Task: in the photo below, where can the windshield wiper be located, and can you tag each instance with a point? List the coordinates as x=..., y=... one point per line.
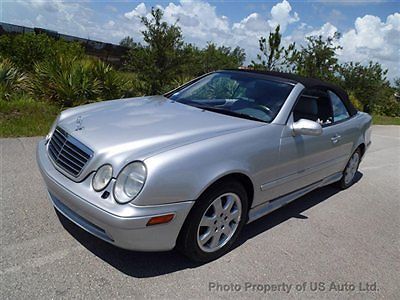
x=229, y=112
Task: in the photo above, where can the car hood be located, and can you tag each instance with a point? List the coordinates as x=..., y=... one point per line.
x=145, y=126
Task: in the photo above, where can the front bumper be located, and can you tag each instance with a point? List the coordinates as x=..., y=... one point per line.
x=121, y=225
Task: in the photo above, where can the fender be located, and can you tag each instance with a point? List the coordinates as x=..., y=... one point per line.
x=186, y=172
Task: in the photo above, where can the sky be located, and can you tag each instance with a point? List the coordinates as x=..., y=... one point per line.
x=370, y=30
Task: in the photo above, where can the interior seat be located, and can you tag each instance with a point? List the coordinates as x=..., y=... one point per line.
x=306, y=108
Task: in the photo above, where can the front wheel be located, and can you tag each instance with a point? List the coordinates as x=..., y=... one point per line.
x=215, y=222
x=350, y=170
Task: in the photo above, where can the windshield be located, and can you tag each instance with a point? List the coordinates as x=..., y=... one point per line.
x=242, y=95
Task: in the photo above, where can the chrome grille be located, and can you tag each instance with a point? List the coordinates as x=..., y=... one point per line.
x=68, y=153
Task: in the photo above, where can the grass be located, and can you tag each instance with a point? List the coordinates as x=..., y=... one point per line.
x=385, y=120
x=26, y=117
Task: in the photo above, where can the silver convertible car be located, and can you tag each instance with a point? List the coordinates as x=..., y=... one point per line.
x=190, y=168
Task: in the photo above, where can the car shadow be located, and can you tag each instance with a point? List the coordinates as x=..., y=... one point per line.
x=151, y=264
x=291, y=210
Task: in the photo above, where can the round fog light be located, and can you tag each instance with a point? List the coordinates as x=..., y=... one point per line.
x=102, y=177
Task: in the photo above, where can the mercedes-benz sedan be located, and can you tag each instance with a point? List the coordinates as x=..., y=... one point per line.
x=190, y=168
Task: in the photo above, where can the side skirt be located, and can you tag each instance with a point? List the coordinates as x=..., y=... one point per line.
x=267, y=207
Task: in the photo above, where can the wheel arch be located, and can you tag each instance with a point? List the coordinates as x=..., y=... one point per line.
x=362, y=148
x=360, y=145
x=240, y=177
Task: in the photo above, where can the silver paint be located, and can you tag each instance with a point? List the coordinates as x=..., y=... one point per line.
x=219, y=222
x=186, y=150
x=306, y=127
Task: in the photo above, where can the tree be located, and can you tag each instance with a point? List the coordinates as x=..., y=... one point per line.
x=128, y=42
x=215, y=58
x=397, y=87
x=165, y=59
x=367, y=83
x=272, y=52
x=317, y=59
x=196, y=61
x=158, y=62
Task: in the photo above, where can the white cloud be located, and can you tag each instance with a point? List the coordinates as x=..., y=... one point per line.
x=281, y=15
x=253, y=23
x=39, y=18
x=138, y=11
x=200, y=24
x=73, y=18
x=370, y=38
x=327, y=30
x=48, y=5
x=109, y=25
x=198, y=20
x=66, y=17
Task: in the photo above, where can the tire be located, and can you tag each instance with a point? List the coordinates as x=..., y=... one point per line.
x=350, y=170
x=220, y=230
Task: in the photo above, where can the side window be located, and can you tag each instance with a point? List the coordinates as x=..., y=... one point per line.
x=339, y=109
x=314, y=105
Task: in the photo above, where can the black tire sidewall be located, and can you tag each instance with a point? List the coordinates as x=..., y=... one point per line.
x=187, y=241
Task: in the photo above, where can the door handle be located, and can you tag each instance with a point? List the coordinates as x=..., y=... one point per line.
x=336, y=138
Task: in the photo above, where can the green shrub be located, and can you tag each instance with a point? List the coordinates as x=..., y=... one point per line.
x=25, y=50
x=67, y=82
x=12, y=80
x=181, y=80
x=135, y=87
x=388, y=107
x=356, y=103
x=75, y=81
x=112, y=84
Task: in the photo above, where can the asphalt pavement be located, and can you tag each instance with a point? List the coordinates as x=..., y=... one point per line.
x=329, y=244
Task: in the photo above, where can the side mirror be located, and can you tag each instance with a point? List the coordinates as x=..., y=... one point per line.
x=306, y=127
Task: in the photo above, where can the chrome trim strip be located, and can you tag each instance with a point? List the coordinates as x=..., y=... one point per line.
x=67, y=165
x=267, y=207
x=301, y=173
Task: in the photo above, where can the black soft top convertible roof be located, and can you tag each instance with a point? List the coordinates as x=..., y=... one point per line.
x=309, y=83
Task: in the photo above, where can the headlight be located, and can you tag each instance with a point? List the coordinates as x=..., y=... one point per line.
x=102, y=177
x=130, y=182
x=53, y=127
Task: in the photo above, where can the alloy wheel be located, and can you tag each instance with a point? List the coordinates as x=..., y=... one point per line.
x=219, y=222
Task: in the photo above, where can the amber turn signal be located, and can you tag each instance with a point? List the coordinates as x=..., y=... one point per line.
x=160, y=219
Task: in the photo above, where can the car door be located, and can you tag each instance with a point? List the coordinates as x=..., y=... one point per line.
x=343, y=130
x=304, y=159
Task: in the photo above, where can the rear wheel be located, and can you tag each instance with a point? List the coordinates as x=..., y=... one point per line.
x=215, y=222
x=350, y=170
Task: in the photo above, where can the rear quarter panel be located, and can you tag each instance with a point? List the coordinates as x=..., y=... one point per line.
x=363, y=123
